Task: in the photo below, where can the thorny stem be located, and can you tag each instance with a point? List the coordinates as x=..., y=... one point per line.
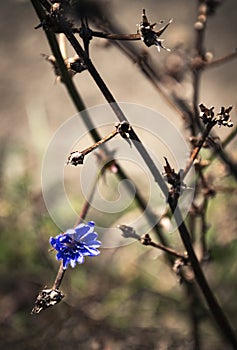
x=67, y=80
x=200, y=278
x=111, y=100
x=117, y=110
x=197, y=149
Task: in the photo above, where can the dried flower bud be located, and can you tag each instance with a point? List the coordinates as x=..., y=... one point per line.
x=202, y=18
x=149, y=36
x=206, y=114
x=203, y=9
x=75, y=158
x=55, y=6
x=198, y=25
x=208, y=56
x=223, y=118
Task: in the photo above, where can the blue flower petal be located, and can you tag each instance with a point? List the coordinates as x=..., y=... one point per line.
x=76, y=243
x=89, y=237
x=73, y=263
x=93, y=244
x=83, y=230
x=80, y=259
x=90, y=251
x=65, y=263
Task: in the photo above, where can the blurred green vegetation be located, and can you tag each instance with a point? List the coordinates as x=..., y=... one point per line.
x=127, y=298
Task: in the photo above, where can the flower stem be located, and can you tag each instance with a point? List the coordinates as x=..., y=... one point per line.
x=59, y=277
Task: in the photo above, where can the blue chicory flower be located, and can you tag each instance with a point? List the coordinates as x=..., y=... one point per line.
x=76, y=243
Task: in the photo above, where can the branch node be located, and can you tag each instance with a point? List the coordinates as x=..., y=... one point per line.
x=146, y=239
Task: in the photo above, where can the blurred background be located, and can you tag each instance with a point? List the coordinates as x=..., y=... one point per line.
x=128, y=298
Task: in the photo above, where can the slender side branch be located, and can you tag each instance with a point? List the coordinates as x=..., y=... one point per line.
x=129, y=232
x=77, y=157
x=112, y=36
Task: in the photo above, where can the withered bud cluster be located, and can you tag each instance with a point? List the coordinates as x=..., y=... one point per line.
x=175, y=180
x=223, y=118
